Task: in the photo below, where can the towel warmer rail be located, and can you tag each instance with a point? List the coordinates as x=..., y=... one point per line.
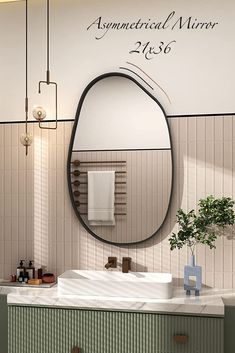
x=81, y=173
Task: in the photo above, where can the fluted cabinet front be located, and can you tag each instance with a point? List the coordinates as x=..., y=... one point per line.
x=52, y=330
x=3, y=323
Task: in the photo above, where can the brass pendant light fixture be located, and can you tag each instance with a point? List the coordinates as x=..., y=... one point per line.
x=39, y=113
x=26, y=138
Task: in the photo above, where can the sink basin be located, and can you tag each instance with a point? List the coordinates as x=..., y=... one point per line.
x=116, y=284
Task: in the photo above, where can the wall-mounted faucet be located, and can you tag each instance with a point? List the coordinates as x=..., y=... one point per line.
x=126, y=264
x=112, y=262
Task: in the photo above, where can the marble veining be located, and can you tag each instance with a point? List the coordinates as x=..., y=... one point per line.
x=210, y=302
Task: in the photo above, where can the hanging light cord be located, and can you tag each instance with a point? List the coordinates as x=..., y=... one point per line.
x=26, y=138
x=48, y=81
x=48, y=42
x=26, y=65
x=26, y=72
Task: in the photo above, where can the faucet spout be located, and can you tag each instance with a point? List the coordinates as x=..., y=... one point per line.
x=126, y=264
x=108, y=265
x=112, y=262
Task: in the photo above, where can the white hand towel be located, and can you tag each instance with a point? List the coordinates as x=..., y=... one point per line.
x=101, y=187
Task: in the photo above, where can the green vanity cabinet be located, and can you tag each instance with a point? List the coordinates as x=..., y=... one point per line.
x=3, y=323
x=58, y=330
x=229, y=329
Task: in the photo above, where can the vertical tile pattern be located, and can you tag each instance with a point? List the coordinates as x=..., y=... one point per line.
x=146, y=188
x=37, y=219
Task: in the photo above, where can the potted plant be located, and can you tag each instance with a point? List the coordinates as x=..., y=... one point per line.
x=203, y=227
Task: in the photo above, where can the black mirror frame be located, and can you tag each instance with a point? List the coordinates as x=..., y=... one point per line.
x=83, y=96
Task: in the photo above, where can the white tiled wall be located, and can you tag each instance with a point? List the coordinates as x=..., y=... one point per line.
x=37, y=220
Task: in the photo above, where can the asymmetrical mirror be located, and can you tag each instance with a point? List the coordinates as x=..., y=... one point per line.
x=120, y=161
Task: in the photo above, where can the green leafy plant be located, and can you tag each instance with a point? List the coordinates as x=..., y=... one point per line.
x=214, y=214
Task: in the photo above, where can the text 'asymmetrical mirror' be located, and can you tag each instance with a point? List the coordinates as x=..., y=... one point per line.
x=120, y=161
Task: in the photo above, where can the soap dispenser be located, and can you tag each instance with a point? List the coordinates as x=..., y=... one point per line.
x=30, y=270
x=20, y=269
x=21, y=277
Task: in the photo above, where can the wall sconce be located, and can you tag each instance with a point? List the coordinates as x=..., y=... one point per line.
x=40, y=114
x=26, y=138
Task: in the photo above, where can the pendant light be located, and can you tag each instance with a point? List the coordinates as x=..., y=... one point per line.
x=26, y=138
x=39, y=113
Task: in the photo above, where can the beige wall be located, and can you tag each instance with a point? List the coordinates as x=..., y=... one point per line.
x=197, y=74
x=37, y=220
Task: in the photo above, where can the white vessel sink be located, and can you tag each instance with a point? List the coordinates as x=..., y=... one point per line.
x=116, y=284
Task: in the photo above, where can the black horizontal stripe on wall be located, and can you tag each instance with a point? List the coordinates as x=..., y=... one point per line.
x=168, y=117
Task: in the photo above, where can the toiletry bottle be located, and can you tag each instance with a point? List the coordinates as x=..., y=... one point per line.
x=40, y=273
x=20, y=269
x=26, y=277
x=30, y=270
x=13, y=278
x=21, y=277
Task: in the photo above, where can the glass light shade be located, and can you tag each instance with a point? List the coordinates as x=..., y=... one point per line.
x=39, y=113
x=26, y=139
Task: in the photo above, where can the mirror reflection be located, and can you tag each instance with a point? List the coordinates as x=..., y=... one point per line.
x=120, y=161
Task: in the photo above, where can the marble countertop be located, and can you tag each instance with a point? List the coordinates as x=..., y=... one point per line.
x=211, y=302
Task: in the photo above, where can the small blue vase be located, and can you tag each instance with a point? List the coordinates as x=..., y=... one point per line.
x=192, y=270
